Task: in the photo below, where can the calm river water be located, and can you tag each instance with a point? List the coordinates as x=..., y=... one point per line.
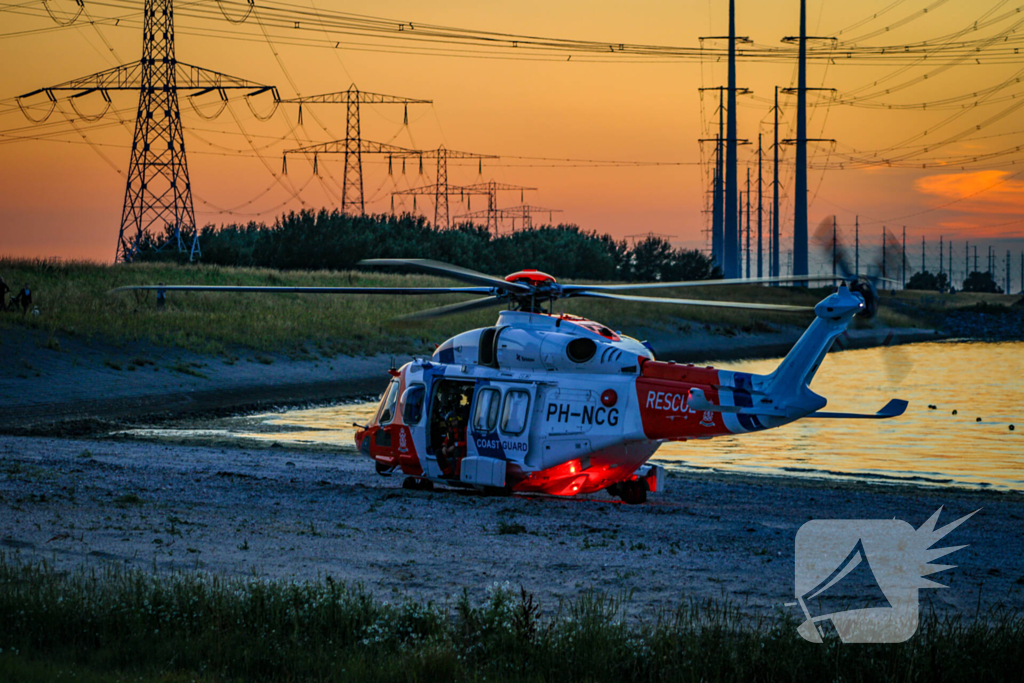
x=927, y=446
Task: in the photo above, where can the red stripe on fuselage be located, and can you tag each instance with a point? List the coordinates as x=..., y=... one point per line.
x=661, y=392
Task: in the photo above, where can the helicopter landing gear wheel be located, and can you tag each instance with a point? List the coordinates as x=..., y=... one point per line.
x=417, y=484
x=633, y=492
x=383, y=470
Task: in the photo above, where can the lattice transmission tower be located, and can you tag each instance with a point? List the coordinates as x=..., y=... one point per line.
x=441, y=190
x=352, y=146
x=158, y=193
x=492, y=213
x=523, y=213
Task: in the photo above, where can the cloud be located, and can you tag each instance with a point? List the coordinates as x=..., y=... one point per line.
x=980, y=192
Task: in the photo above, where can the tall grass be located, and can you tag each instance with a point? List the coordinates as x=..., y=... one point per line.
x=193, y=625
x=74, y=299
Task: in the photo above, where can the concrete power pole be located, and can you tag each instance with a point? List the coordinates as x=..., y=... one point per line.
x=1007, y=290
x=774, y=269
x=748, y=221
x=856, y=245
x=903, y=260
x=800, y=192
x=760, y=208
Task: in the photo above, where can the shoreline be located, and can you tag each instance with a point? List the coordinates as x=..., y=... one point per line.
x=297, y=514
x=88, y=385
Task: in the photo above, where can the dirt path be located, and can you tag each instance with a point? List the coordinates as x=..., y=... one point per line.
x=298, y=514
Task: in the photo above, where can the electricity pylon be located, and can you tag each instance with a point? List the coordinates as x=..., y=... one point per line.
x=352, y=182
x=395, y=152
x=492, y=213
x=800, y=256
x=524, y=212
x=441, y=190
x=729, y=218
x=158, y=191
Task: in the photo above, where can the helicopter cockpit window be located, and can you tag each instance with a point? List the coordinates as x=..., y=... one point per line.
x=387, y=410
x=412, y=404
x=515, y=412
x=485, y=419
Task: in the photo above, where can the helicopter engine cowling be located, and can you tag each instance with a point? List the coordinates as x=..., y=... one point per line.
x=525, y=341
x=462, y=349
x=537, y=349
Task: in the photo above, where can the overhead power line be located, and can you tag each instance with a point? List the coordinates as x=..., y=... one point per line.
x=304, y=25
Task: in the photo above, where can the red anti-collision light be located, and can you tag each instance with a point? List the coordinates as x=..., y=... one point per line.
x=534, y=277
x=609, y=398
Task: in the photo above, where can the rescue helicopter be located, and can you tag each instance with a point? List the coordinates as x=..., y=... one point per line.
x=546, y=402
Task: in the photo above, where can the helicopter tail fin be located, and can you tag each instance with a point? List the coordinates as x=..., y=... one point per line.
x=794, y=374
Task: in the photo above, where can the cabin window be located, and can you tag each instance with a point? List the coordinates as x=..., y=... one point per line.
x=515, y=412
x=485, y=419
x=387, y=404
x=412, y=409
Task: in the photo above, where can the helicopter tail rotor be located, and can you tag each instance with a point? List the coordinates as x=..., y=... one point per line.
x=828, y=241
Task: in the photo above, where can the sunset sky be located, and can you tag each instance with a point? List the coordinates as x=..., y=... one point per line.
x=60, y=197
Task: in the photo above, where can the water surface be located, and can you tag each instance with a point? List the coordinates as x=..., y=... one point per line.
x=927, y=446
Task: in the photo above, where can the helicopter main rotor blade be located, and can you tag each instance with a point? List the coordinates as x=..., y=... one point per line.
x=452, y=309
x=699, y=302
x=572, y=290
x=446, y=269
x=305, y=290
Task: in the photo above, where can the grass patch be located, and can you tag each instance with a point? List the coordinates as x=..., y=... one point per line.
x=187, y=369
x=510, y=528
x=128, y=499
x=129, y=623
x=74, y=300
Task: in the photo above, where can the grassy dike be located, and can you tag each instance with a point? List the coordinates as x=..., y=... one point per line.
x=74, y=299
x=115, y=624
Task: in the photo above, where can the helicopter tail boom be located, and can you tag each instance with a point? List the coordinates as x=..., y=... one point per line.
x=797, y=369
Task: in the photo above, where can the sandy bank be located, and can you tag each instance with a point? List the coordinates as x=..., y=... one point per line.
x=88, y=380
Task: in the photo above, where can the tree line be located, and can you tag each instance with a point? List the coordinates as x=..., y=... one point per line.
x=974, y=282
x=331, y=240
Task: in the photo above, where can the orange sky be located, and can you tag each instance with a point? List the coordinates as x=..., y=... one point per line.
x=64, y=199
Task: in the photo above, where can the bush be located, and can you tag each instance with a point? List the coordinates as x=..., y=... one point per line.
x=331, y=240
x=981, y=282
x=929, y=282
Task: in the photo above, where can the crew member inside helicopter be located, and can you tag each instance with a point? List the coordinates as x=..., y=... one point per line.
x=449, y=417
x=453, y=448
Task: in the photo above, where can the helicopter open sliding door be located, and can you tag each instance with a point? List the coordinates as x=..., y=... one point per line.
x=448, y=397
x=499, y=431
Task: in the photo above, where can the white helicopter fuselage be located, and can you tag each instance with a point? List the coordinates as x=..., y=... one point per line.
x=563, y=405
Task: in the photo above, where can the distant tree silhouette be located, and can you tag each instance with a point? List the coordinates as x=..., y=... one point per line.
x=927, y=281
x=981, y=282
x=330, y=240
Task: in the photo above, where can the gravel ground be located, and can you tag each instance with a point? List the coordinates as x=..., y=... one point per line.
x=1003, y=326
x=302, y=514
